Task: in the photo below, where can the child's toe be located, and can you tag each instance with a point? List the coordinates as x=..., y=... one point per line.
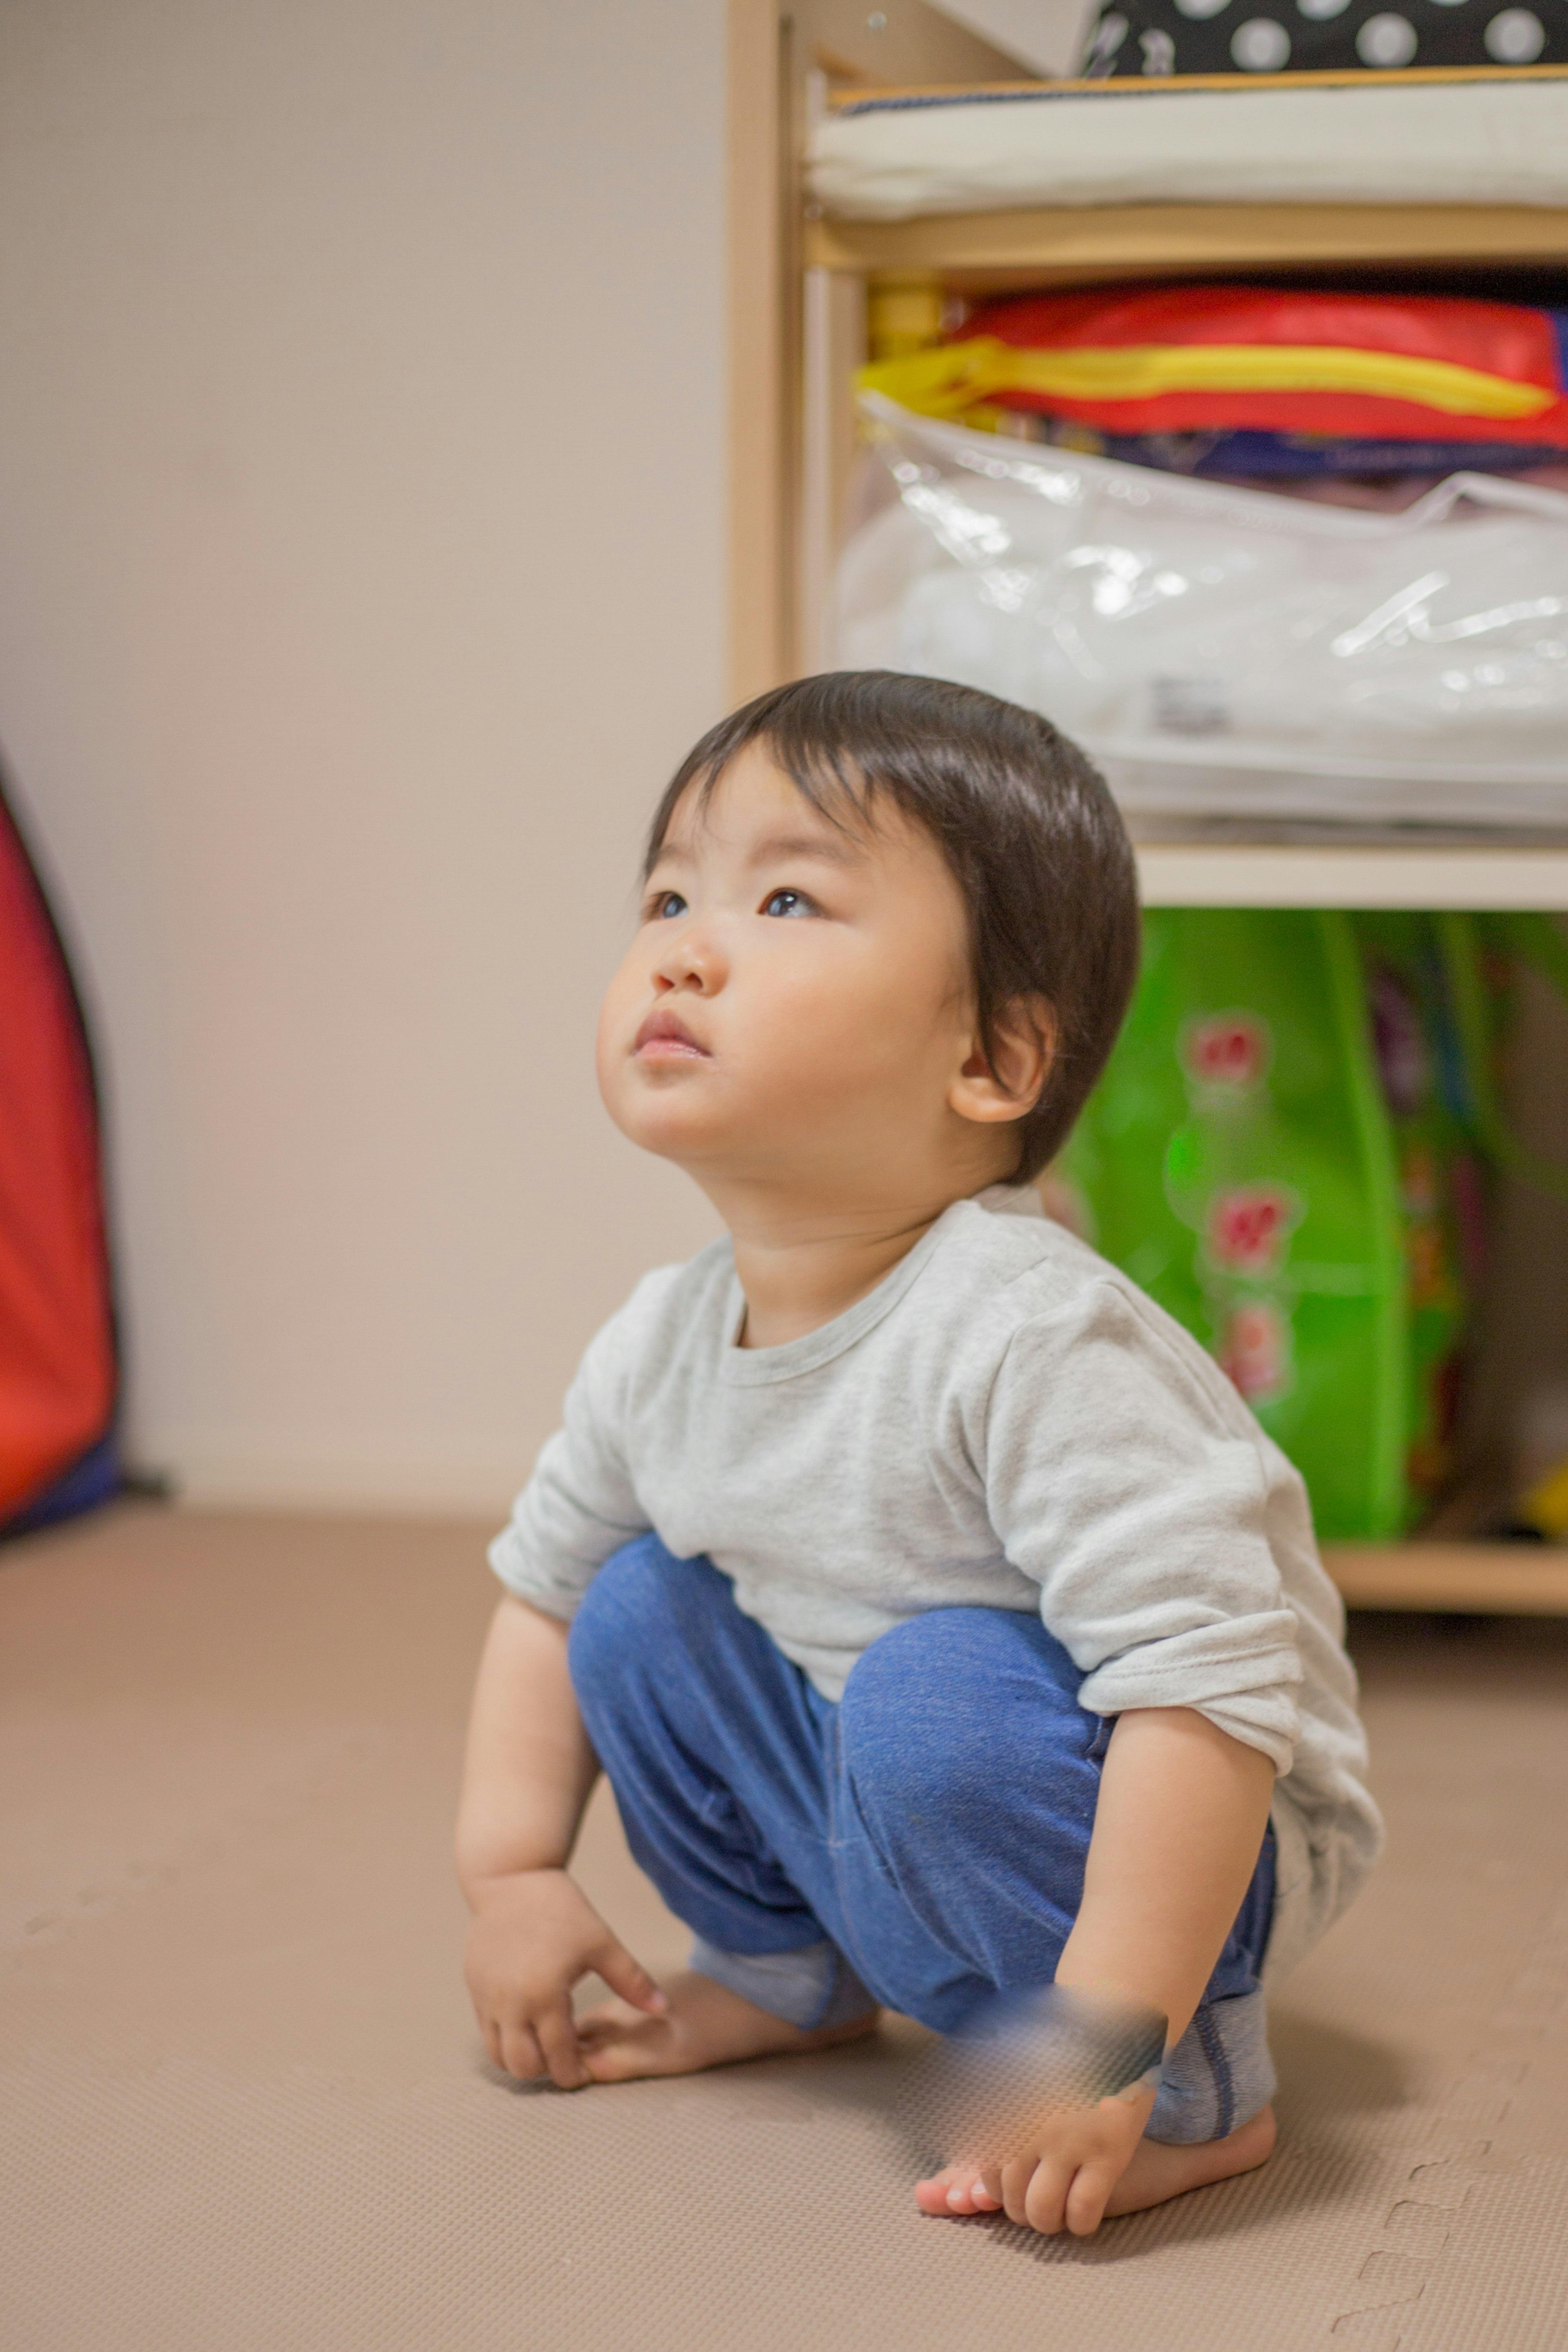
x=956, y=2188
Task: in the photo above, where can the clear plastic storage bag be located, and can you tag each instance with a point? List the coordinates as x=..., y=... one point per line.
x=1226, y=652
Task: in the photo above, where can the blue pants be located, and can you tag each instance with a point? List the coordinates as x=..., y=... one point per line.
x=921, y=1843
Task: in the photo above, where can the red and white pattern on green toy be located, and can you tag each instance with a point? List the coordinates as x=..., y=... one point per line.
x=1229, y=1050
x=1255, y=1349
x=1247, y=1224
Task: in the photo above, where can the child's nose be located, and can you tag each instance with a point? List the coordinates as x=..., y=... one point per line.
x=690, y=960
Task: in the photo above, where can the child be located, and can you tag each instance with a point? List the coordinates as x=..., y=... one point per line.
x=947, y=1627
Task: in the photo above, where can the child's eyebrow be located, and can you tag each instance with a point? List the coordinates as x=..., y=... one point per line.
x=828, y=848
x=834, y=849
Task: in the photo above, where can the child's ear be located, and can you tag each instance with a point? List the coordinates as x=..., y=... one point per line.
x=1010, y=1080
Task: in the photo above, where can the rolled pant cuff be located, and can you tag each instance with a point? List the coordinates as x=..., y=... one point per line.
x=1218, y=2074
x=812, y=1986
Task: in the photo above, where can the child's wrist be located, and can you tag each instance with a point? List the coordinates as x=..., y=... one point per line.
x=492, y=1886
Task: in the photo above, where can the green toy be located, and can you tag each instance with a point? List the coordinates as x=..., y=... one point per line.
x=1291, y=1149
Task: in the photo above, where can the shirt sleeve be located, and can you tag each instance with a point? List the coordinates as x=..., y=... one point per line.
x=1126, y=1481
x=580, y=1505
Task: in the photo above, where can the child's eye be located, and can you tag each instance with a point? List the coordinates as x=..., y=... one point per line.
x=789, y=902
x=665, y=905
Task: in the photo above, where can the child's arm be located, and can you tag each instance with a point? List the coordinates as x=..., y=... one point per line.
x=526, y=1780
x=1181, y=1811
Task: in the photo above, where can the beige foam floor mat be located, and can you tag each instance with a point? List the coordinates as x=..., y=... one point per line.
x=245, y=2109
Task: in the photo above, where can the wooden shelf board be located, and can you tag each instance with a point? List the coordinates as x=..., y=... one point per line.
x=976, y=251
x=1467, y=1578
x=1201, y=874
x=1334, y=77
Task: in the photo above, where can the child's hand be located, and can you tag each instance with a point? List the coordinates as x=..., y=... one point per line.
x=534, y=1933
x=1060, y=2175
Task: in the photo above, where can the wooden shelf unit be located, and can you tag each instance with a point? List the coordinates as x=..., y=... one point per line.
x=1468, y=1579
x=989, y=252
x=1289, y=874
x=798, y=287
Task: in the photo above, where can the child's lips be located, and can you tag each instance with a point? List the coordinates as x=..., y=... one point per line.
x=665, y=1037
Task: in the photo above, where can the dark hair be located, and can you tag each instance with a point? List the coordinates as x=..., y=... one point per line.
x=1025, y=823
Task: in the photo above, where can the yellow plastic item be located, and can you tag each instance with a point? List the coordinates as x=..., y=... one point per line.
x=903, y=315
x=1546, y=1505
x=951, y=380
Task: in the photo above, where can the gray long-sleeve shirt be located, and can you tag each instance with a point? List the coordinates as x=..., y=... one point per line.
x=1004, y=1420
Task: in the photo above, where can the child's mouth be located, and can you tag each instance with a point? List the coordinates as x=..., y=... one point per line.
x=664, y=1037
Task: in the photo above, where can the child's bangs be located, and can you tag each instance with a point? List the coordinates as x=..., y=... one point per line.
x=834, y=786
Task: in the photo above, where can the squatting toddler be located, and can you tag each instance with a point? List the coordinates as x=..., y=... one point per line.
x=947, y=1627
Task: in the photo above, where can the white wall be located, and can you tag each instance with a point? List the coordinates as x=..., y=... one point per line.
x=1047, y=36
x=359, y=579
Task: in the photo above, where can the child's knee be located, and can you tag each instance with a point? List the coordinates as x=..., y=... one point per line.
x=949, y=1719
x=913, y=1721
x=626, y=1610
x=953, y=1667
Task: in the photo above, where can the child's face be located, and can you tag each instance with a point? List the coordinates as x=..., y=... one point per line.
x=797, y=1006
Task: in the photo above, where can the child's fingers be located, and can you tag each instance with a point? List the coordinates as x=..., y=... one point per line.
x=557, y=2038
x=1015, y=2177
x=521, y=2052
x=988, y=2182
x=1044, y=2201
x=627, y=1977
x=1085, y=2199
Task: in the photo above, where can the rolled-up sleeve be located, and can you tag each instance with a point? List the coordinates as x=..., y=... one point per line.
x=580, y=1505
x=1128, y=1481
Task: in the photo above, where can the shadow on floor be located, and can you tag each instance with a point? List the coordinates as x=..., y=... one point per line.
x=880, y=2081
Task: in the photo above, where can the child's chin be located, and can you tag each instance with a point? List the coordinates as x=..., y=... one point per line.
x=668, y=1128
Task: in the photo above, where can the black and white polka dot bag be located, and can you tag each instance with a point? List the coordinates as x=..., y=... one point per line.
x=1145, y=37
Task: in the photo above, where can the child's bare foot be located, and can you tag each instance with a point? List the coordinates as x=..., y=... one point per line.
x=705, y=2024
x=1158, y=2170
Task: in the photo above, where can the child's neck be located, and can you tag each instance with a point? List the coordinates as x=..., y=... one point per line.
x=801, y=1267
x=794, y=1287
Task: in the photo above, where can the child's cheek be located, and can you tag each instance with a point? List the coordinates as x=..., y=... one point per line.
x=612, y=1040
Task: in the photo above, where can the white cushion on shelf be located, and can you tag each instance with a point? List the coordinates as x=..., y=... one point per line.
x=1468, y=142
